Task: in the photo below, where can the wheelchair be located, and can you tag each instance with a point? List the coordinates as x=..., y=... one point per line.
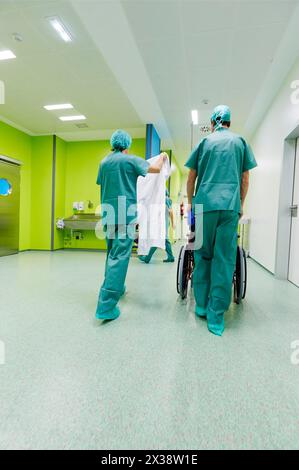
x=185, y=270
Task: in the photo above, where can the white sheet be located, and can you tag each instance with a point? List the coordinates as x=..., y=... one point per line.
x=151, y=208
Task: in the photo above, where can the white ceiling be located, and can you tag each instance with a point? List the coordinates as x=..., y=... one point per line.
x=220, y=51
x=138, y=61
x=49, y=71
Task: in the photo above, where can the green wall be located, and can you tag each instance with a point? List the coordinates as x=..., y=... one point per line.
x=35, y=155
x=176, y=179
x=176, y=182
x=83, y=160
x=175, y=191
x=76, y=168
x=82, y=163
x=60, y=180
x=41, y=192
x=17, y=144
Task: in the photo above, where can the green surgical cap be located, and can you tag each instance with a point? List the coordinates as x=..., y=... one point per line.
x=120, y=140
x=221, y=114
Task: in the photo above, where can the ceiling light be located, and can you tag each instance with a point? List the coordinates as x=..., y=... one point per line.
x=57, y=24
x=4, y=55
x=53, y=107
x=72, y=118
x=194, y=115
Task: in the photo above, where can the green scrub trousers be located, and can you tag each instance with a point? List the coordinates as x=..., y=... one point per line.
x=118, y=174
x=168, y=249
x=219, y=160
x=118, y=257
x=215, y=264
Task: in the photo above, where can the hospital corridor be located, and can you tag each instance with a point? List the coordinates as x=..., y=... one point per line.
x=149, y=229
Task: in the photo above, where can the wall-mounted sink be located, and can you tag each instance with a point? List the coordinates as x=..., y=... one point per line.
x=82, y=221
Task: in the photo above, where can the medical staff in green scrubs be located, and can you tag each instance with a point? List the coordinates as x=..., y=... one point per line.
x=168, y=215
x=117, y=177
x=220, y=165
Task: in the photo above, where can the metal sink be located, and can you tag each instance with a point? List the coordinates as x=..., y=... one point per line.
x=82, y=221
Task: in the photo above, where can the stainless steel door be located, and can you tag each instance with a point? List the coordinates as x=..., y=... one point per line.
x=9, y=208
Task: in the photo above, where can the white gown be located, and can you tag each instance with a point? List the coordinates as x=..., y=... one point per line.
x=151, y=208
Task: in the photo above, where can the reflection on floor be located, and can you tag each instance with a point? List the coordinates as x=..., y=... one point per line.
x=153, y=379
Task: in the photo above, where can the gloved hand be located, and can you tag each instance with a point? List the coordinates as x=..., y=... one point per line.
x=191, y=217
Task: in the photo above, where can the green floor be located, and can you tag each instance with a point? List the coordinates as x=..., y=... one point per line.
x=155, y=378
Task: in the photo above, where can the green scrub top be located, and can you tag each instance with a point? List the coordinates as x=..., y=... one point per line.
x=117, y=177
x=220, y=160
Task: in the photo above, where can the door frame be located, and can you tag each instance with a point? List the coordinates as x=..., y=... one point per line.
x=4, y=158
x=12, y=171
x=284, y=223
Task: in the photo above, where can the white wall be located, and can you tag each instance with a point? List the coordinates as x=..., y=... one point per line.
x=267, y=143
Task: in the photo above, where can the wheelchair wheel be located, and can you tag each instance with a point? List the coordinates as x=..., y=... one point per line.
x=179, y=268
x=245, y=275
x=240, y=276
x=182, y=281
x=184, y=271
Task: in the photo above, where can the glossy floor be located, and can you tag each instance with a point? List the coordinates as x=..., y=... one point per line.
x=155, y=378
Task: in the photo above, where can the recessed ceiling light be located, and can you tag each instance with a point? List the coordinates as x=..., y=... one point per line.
x=61, y=29
x=72, y=118
x=5, y=55
x=194, y=115
x=53, y=107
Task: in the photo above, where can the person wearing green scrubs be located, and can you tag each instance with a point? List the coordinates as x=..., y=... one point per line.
x=117, y=177
x=168, y=215
x=219, y=166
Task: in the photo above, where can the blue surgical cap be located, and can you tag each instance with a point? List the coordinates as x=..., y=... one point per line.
x=221, y=114
x=120, y=140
